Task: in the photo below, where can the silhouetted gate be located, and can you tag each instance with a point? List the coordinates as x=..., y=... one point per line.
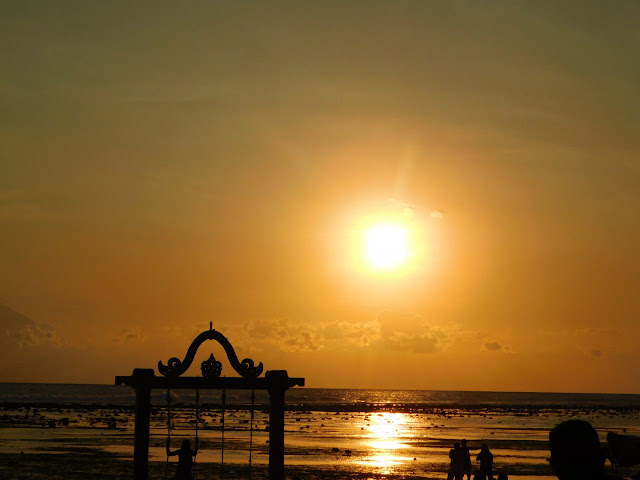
x=143, y=380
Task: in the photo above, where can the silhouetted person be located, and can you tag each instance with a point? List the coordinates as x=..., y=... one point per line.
x=485, y=457
x=576, y=452
x=466, y=459
x=455, y=466
x=185, y=459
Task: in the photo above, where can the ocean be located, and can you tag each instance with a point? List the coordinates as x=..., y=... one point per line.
x=329, y=432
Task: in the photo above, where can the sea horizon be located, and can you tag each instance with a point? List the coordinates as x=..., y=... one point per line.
x=544, y=392
x=354, y=399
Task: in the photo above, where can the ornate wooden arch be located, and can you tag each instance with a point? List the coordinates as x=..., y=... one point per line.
x=275, y=382
x=210, y=368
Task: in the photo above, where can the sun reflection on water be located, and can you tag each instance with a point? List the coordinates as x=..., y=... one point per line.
x=384, y=433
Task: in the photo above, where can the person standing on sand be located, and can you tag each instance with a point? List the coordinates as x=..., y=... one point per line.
x=576, y=452
x=485, y=457
x=185, y=459
x=455, y=465
x=466, y=459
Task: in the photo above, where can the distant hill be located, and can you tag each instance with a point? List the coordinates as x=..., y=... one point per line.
x=17, y=329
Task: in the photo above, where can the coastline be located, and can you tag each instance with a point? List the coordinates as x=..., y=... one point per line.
x=328, y=434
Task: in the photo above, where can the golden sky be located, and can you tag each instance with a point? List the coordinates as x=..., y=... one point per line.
x=164, y=165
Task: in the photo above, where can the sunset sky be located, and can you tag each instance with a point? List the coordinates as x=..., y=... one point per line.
x=164, y=165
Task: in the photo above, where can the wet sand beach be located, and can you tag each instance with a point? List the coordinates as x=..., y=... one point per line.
x=41, y=440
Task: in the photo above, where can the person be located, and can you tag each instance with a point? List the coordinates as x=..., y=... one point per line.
x=485, y=457
x=185, y=459
x=466, y=459
x=576, y=452
x=455, y=465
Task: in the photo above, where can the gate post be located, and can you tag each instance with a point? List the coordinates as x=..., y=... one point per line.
x=141, y=439
x=277, y=384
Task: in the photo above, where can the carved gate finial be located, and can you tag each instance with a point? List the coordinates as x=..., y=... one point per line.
x=176, y=367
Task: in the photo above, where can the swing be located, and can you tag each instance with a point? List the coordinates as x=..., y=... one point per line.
x=144, y=381
x=224, y=406
x=223, y=429
x=253, y=398
x=252, y=415
x=166, y=465
x=195, y=456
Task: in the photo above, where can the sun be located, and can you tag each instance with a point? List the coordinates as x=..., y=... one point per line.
x=386, y=245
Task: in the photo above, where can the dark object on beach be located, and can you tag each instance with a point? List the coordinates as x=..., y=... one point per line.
x=576, y=452
x=335, y=449
x=503, y=476
x=465, y=458
x=111, y=423
x=485, y=457
x=623, y=449
x=456, y=467
x=185, y=459
x=65, y=421
x=52, y=424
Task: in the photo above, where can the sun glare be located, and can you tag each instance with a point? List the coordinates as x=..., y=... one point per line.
x=386, y=245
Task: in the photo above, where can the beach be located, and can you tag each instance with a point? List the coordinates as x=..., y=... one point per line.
x=419, y=217
x=87, y=431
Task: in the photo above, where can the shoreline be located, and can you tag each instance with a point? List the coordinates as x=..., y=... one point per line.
x=97, y=464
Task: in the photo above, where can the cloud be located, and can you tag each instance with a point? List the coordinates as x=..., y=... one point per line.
x=493, y=346
x=391, y=322
x=389, y=330
x=411, y=332
x=129, y=335
x=416, y=343
x=286, y=335
x=18, y=330
x=357, y=334
x=594, y=332
x=436, y=214
x=596, y=353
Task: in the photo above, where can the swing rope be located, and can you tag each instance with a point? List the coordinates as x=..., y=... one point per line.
x=224, y=406
x=195, y=457
x=166, y=466
x=253, y=399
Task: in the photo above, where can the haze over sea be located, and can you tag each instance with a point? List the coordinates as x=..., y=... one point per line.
x=329, y=432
